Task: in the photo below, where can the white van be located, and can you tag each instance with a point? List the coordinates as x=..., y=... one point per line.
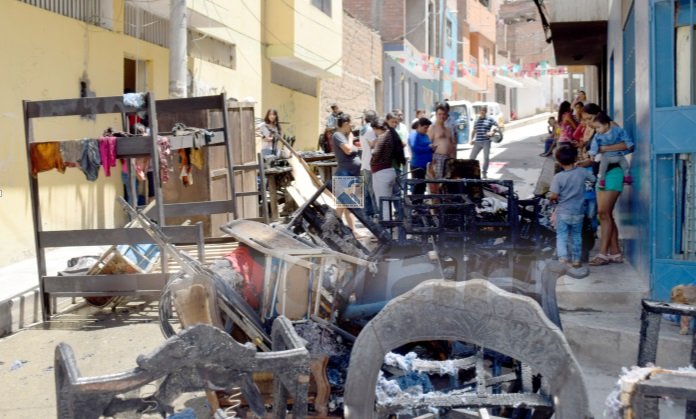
x=462, y=112
x=495, y=111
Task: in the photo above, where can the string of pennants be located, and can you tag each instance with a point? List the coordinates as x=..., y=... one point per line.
x=453, y=69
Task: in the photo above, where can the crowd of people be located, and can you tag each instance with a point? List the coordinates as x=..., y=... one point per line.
x=590, y=150
x=385, y=150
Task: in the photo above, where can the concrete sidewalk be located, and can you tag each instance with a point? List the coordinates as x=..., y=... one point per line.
x=20, y=304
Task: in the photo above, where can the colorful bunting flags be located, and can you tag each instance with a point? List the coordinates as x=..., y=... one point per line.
x=453, y=69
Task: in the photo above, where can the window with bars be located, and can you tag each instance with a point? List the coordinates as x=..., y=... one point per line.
x=675, y=21
x=500, y=93
x=212, y=50
x=323, y=5
x=685, y=207
x=675, y=236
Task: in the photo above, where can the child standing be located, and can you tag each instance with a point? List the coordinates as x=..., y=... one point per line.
x=610, y=134
x=568, y=188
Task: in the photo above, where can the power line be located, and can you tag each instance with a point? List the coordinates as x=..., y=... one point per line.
x=315, y=21
x=290, y=47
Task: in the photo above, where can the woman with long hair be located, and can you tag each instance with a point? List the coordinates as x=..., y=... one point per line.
x=607, y=196
x=270, y=131
x=348, y=162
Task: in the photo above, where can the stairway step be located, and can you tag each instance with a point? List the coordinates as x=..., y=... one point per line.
x=611, y=340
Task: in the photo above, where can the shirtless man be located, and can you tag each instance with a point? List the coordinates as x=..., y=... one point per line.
x=444, y=145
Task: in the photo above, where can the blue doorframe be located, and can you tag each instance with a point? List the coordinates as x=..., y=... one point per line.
x=629, y=74
x=611, y=85
x=672, y=132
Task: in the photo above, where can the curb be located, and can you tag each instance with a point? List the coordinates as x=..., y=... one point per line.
x=20, y=311
x=528, y=121
x=24, y=310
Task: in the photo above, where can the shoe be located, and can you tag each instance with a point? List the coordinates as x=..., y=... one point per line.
x=600, y=260
x=628, y=180
x=576, y=265
x=617, y=258
x=602, y=183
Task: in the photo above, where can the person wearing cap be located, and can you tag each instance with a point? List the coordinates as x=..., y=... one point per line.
x=421, y=152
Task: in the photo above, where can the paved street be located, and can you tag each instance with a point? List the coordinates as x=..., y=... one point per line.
x=517, y=156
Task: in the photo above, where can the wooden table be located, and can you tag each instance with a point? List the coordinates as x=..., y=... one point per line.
x=325, y=168
x=317, y=156
x=272, y=175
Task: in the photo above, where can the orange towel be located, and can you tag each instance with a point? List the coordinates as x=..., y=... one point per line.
x=45, y=156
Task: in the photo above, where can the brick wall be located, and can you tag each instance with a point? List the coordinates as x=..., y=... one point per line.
x=362, y=65
x=392, y=17
x=360, y=10
x=526, y=40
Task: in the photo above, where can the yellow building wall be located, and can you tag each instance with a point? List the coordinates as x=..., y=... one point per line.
x=48, y=64
x=319, y=37
x=299, y=113
x=239, y=23
x=297, y=29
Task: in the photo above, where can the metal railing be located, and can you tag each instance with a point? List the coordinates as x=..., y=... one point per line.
x=85, y=10
x=141, y=24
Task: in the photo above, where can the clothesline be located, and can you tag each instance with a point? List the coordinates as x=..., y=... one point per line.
x=90, y=154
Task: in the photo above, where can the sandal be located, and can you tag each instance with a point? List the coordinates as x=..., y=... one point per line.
x=600, y=260
x=617, y=258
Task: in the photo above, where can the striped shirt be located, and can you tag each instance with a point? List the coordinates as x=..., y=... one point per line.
x=482, y=126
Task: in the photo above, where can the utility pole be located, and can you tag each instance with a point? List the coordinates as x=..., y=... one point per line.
x=442, y=50
x=177, y=49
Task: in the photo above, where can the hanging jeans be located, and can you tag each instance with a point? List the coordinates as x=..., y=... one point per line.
x=370, y=202
x=569, y=225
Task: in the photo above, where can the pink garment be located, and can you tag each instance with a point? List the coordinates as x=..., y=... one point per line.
x=107, y=152
x=566, y=128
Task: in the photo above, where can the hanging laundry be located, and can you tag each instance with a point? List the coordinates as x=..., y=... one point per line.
x=142, y=165
x=164, y=154
x=198, y=158
x=71, y=151
x=136, y=100
x=90, y=161
x=45, y=156
x=185, y=167
x=201, y=137
x=107, y=152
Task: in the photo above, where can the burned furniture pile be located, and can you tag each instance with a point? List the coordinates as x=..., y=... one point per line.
x=465, y=293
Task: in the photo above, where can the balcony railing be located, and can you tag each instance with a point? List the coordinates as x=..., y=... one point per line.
x=144, y=25
x=85, y=10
